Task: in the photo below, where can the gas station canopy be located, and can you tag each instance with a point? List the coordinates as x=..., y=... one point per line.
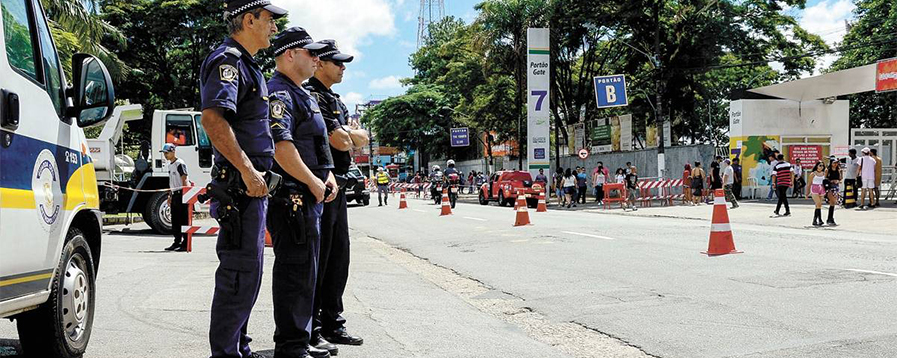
x=833, y=84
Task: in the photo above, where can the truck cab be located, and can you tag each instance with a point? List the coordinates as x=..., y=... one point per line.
x=49, y=205
x=143, y=188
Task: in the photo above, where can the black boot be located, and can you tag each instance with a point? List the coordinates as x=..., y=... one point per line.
x=817, y=217
x=831, y=216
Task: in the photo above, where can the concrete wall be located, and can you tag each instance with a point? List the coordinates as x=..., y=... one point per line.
x=752, y=117
x=646, y=160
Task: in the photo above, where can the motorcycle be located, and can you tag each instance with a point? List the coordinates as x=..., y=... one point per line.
x=436, y=192
x=454, y=185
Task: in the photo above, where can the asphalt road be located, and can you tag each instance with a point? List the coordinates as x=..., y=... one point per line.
x=573, y=284
x=793, y=293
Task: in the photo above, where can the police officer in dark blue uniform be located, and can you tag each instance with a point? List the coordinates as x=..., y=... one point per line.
x=329, y=325
x=302, y=155
x=235, y=116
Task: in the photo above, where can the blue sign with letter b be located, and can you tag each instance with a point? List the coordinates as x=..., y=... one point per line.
x=610, y=91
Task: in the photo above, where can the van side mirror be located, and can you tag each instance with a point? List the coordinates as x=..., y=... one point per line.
x=93, y=97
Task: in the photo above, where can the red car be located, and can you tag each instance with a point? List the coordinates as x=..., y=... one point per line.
x=503, y=186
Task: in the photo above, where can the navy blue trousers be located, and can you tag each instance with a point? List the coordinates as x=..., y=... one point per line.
x=333, y=271
x=237, y=283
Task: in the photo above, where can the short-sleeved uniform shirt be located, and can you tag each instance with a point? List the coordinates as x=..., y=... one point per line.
x=232, y=81
x=335, y=115
x=295, y=117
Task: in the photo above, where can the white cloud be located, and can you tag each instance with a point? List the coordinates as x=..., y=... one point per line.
x=353, y=74
x=390, y=82
x=407, y=44
x=351, y=99
x=410, y=16
x=826, y=19
x=351, y=23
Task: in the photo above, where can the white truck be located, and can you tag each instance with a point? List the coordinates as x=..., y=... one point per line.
x=50, y=222
x=139, y=185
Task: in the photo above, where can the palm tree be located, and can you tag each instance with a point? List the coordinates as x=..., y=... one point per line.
x=77, y=27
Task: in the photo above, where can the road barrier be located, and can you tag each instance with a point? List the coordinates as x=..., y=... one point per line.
x=191, y=197
x=663, y=190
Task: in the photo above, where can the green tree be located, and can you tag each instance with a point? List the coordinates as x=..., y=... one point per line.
x=870, y=38
x=77, y=29
x=418, y=119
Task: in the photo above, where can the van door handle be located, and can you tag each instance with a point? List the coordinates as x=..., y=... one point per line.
x=9, y=118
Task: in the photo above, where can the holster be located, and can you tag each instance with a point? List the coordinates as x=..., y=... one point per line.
x=228, y=214
x=290, y=200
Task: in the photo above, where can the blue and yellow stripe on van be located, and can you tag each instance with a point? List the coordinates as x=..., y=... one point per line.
x=25, y=283
x=77, y=181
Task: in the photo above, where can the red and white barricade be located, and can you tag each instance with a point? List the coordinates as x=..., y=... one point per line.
x=191, y=197
x=663, y=190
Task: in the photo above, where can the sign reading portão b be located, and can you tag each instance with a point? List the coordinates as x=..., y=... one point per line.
x=610, y=91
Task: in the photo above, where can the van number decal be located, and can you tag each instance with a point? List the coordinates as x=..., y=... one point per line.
x=72, y=157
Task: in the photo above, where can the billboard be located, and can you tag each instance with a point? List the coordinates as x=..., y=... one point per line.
x=886, y=76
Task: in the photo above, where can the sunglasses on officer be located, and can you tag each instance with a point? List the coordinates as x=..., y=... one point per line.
x=335, y=62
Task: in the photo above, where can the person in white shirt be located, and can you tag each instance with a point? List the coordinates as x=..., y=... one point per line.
x=850, y=179
x=867, y=173
x=728, y=182
x=799, y=182
x=177, y=179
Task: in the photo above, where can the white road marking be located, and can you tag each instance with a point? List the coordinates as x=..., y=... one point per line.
x=588, y=235
x=470, y=218
x=873, y=272
x=419, y=210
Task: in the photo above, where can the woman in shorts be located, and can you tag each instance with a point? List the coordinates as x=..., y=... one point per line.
x=817, y=191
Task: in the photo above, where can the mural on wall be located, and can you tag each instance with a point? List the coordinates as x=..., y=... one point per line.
x=754, y=152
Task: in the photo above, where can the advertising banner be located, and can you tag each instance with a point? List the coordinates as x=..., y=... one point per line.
x=886, y=75
x=808, y=155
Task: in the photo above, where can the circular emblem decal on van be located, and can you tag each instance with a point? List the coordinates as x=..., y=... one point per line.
x=45, y=183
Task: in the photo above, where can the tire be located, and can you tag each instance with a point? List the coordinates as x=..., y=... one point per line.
x=61, y=327
x=501, y=199
x=453, y=198
x=157, y=213
x=366, y=201
x=483, y=200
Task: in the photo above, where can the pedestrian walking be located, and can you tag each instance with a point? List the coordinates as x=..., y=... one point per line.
x=772, y=177
x=728, y=182
x=582, y=183
x=568, y=182
x=599, y=177
x=878, y=163
x=736, y=188
x=866, y=179
x=631, y=188
x=697, y=183
x=784, y=178
x=235, y=112
x=833, y=174
x=382, y=187
x=559, y=185
x=817, y=191
x=799, y=182
x=686, y=184
x=177, y=180
x=716, y=179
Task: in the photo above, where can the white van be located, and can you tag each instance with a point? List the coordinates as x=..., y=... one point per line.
x=50, y=223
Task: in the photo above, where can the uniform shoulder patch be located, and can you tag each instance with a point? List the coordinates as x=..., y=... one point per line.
x=278, y=108
x=228, y=72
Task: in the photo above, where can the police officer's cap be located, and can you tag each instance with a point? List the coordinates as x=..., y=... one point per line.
x=233, y=8
x=294, y=37
x=331, y=53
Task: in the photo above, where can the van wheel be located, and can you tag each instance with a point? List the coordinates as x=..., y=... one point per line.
x=501, y=199
x=483, y=200
x=367, y=201
x=61, y=326
x=157, y=213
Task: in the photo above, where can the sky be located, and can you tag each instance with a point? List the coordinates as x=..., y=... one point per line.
x=382, y=34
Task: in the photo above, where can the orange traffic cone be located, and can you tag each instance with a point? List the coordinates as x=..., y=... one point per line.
x=268, y=242
x=446, y=206
x=402, y=203
x=522, y=213
x=721, y=241
x=542, y=207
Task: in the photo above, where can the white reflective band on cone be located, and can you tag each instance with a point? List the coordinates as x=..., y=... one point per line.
x=521, y=209
x=720, y=228
x=719, y=200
